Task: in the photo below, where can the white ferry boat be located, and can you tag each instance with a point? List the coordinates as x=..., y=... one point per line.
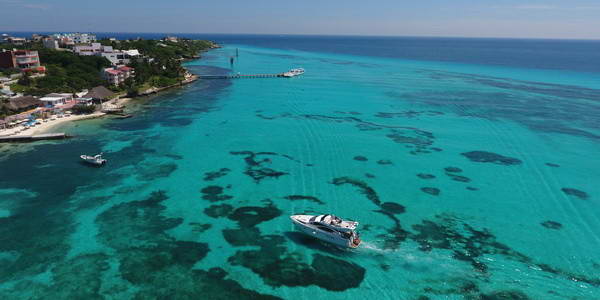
x=294, y=72
x=328, y=228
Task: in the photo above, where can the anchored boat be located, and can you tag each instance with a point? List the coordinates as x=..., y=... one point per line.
x=96, y=160
x=328, y=228
x=294, y=72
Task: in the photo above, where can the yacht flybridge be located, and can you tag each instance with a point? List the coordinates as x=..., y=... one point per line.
x=293, y=72
x=328, y=228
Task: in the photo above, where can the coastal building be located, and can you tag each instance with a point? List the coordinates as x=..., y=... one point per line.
x=118, y=75
x=85, y=100
x=75, y=38
x=20, y=104
x=50, y=43
x=117, y=57
x=54, y=99
x=25, y=60
x=17, y=41
x=132, y=52
x=92, y=49
x=36, y=37
x=99, y=94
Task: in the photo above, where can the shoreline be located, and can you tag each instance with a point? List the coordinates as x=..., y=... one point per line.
x=120, y=102
x=47, y=127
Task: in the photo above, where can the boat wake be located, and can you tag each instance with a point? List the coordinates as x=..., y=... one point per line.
x=372, y=247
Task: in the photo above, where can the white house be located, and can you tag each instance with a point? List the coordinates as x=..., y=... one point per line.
x=50, y=43
x=55, y=99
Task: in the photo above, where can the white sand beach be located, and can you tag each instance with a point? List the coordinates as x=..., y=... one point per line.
x=47, y=126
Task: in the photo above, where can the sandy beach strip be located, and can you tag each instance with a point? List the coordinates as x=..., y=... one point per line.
x=46, y=127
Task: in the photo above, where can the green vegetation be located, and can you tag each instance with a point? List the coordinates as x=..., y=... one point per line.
x=162, y=63
x=80, y=109
x=65, y=72
x=9, y=71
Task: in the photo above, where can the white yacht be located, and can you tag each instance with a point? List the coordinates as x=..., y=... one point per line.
x=94, y=160
x=293, y=72
x=328, y=228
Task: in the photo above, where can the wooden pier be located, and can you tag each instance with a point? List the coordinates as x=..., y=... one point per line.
x=241, y=76
x=32, y=138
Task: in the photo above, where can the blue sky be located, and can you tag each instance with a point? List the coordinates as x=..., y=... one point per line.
x=469, y=18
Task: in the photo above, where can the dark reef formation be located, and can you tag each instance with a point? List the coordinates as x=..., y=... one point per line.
x=490, y=157
x=155, y=263
x=452, y=169
x=394, y=235
x=218, y=211
x=302, y=197
x=393, y=208
x=210, y=176
x=150, y=172
x=256, y=161
x=363, y=187
x=551, y=225
x=275, y=264
x=431, y=190
x=576, y=193
x=214, y=193
x=408, y=114
x=413, y=138
x=458, y=178
x=425, y=176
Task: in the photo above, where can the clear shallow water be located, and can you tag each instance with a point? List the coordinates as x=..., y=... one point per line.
x=469, y=181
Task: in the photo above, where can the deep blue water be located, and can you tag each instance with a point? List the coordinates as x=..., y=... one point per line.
x=572, y=55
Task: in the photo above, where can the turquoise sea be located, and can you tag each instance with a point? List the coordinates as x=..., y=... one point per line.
x=469, y=180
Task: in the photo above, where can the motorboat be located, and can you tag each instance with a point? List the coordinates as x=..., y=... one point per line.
x=293, y=72
x=328, y=228
x=96, y=160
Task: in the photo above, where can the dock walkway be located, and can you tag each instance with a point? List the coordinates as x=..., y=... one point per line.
x=31, y=138
x=241, y=76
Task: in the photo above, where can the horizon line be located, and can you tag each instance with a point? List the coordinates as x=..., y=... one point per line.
x=325, y=35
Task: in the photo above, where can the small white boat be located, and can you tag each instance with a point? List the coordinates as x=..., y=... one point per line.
x=328, y=228
x=293, y=72
x=94, y=160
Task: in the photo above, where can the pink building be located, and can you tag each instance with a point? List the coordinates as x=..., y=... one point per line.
x=118, y=75
x=25, y=60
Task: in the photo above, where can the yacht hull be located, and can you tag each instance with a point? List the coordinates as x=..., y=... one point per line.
x=301, y=224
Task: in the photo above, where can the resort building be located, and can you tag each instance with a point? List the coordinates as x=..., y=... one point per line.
x=54, y=99
x=118, y=75
x=51, y=43
x=117, y=57
x=17, y=41
x=75, y=38
x=99, y=94
x=91, y=49
x=171, y=39
x=25, y=60
x=19, y=104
